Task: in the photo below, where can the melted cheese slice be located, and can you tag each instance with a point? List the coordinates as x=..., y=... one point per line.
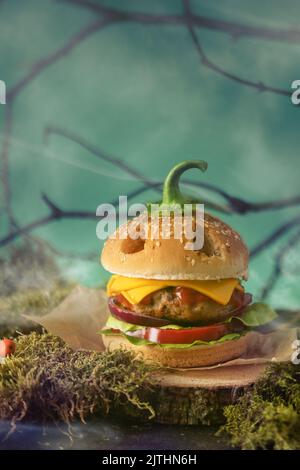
x=134, y=289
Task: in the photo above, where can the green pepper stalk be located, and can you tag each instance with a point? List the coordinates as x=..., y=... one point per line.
x=172, y=196
x=171, y=192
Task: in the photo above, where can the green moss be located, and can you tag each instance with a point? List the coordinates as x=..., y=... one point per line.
x=46, y=380
x=268, y=416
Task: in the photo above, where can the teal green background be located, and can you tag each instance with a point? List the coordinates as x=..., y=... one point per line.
x=140, y=93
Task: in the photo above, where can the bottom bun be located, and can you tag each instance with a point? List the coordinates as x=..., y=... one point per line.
x=195, y=356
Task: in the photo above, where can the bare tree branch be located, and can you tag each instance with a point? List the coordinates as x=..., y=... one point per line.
x=234, y=29
x=57, y=55
x=206, y=62
x=56, y=213
x=278, y=268
x=273, y=205
x=274, y=236
x=241, y=206
x=120, y=164
x=102, y=155
x=235, y=205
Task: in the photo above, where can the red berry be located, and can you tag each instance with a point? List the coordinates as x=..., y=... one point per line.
x=7, y=347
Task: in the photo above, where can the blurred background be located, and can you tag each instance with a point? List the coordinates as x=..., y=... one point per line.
x=104, y=97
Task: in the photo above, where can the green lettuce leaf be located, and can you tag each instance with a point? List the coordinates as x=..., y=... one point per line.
x=256, y=314
x=114, y=322
x=143, y=342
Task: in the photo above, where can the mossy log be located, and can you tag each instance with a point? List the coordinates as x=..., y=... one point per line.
x=190, y=406
x=177, y=406
x=199, y=396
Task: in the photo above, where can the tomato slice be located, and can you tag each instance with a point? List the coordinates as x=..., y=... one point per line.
x=183, y=336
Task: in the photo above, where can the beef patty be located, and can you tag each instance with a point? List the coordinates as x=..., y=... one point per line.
x=180, y=306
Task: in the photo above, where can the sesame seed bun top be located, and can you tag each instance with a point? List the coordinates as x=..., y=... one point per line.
x=223, y=255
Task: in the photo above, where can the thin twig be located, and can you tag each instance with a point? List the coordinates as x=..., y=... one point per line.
x=50, y=130
x=206, y=62
x=235, y=205
x=274, y=236
x=57, y=55
x=55, y=213
x=233, y=29
x=274, y=205
x=120, y=164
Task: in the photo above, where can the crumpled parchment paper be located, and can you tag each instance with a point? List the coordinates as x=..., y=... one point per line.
x=78, y=319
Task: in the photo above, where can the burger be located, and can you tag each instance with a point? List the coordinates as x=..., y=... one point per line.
x=180, y=307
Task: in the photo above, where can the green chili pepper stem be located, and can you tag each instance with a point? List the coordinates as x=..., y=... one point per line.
x=171, y=191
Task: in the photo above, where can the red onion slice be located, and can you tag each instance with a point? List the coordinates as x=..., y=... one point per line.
x=134, y=318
